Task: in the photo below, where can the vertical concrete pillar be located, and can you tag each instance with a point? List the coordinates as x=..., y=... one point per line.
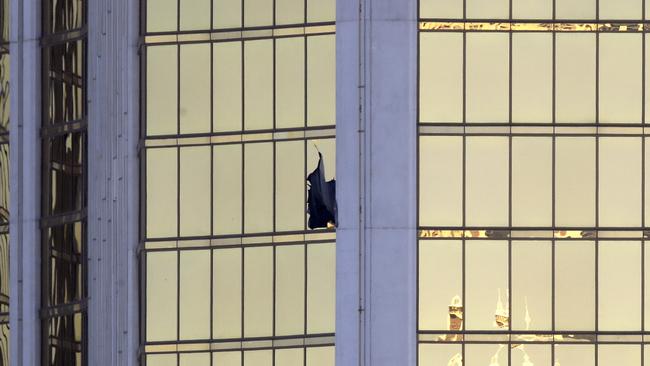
x=25, y=172
x=113, y=100
x=376, y=182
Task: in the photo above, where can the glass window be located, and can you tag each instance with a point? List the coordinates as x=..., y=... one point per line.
x=481, y=9
x=162, y=277
x=532, y=77
x=619, y=182
x=289, y=82
x=194, y=190
x=162, y=15
x=162, y=102
x=620, y=9
x=441, y=181
x=258, y=13
x=575, y=181
x=442, y=9
x=195, y=15
x=487, y=182
x=227, y=86
x=227, y=293
x=532, y=9
x=258, y=292
x=532, y=181
x=619, y=286
x=162, y=211
x=577, y=355
x=575, y=9
x=64, y=194
x=575, y=77
x=231, y=275
x=440, y=284
x=487, y=73
x=486, y=268
x=290, y=290
x=481, y=354
x=321, y=280
x=620, y=82
x=441, y=78
x=289, y=182
x=289, y=11
x=227, y=13
x=532, y=285
x=575, y=302
x=439, y=354
x=227, y=168
x=194, y=295
x=321, y=80
x=258, y=187
x=195, y=71
x=258, y=85
x=321, y=10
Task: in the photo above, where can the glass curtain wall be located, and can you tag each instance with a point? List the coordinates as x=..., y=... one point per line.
x=238, y=98
x=64, y=188
x=4, y=182
x=533, y=183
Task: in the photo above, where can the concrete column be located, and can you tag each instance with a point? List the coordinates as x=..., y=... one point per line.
x=113, y=100
x=376, y=182
x=25, y=239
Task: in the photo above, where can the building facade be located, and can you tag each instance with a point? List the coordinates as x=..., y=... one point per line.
x=490, y=160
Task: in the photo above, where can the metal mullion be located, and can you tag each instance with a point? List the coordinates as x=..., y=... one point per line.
x=643, y=183
x=510, y=79
x=597, y=190
x=211, y=249
x=178, y=228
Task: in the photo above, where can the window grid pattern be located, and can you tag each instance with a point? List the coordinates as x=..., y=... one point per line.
x=532, y=183
x=4, y=183
x=64, y=184
x=239, y=100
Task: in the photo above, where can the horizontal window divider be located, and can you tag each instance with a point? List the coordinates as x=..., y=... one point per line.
x=241, y=344
x=556, y=26
x=58, y=38
x=234, y=34
x=58, y=129
x=64, y=309
x=62, y=219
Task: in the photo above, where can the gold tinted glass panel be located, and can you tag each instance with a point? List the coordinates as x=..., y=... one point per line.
x=194, y=110
x=194, y=14
x=487, y=282
x=441, y=89
x=227, y=86
x=441, y=283
x=481, y=9
x=227, y=13
x=619, y=197
x=238, y=102
x=162, y=91
x=532, y=285
x=619, y=286
x=575, y=77
x=620, y=80
x=532, y=181
x=532, y=77
x=575, y=292
x=441, y=181
x=530, y=111
x=487, y=77
x=487, y=183
x=575, y=181
x=532, y=9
